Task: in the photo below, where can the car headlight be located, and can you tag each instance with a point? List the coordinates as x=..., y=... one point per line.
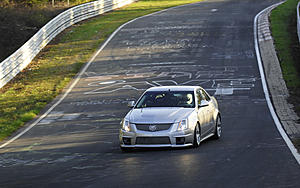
x=182, y=125
x=126, y=125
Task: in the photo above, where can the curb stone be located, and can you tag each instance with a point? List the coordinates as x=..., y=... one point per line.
x=276, y=84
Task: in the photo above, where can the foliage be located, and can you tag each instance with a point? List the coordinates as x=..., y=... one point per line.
x=39, y=3
x=284, y=32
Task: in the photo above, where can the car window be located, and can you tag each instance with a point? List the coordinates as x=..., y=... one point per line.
x=204, y=95
x=167, y=99
x=199, y=97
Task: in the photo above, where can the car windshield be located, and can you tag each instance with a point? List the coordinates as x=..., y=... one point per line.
x=167, y=99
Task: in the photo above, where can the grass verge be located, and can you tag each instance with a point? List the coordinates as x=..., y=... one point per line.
x=284, y=31
x=26, y=95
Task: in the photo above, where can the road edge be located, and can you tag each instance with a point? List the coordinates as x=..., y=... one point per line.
x=258, y=42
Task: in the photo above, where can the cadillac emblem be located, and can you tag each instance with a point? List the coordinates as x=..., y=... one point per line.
x=152, y=128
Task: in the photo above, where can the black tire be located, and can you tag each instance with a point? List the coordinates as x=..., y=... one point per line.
x=197, y=136
x=218, y=128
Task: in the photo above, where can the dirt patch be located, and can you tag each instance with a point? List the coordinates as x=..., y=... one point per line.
x=294, y=99
x=296, y=142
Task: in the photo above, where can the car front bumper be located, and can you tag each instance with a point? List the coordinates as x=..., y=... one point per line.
x=146, y=139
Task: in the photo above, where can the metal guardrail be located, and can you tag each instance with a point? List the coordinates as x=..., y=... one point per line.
x=16, y=62
x=298, y=21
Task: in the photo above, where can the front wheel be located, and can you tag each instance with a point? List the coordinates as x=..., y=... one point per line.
x=218, y=128
x=197, y=136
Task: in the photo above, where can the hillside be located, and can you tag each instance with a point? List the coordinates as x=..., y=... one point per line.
x=21, y=19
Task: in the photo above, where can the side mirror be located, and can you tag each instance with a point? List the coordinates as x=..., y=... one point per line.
x=131, y=104
x=203, y=103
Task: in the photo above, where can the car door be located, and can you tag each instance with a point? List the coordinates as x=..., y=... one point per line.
x=202, y=114
x=210, y=110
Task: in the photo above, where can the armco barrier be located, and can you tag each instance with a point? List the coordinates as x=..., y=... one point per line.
x=16, y=62
x=298, y=21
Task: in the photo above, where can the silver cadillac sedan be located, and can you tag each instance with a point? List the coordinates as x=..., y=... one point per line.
x=170, y=116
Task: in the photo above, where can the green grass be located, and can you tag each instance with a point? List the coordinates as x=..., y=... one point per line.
x=284, y=32
x=26, y=95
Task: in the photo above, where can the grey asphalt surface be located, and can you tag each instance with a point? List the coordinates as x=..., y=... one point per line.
x=208, y=44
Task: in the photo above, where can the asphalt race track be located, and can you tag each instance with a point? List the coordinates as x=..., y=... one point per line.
x=210, y=44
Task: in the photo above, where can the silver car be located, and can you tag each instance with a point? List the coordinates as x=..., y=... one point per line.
x=171, y=116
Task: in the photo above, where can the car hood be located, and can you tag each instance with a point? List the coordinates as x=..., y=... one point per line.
x=159, y=115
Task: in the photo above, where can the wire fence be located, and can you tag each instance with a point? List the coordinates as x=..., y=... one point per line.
x=16, y=62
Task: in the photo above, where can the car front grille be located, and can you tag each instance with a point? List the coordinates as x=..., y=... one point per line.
x=152, y=140
x=153, y=127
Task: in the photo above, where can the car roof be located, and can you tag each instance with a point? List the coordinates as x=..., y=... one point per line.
x=173, y=88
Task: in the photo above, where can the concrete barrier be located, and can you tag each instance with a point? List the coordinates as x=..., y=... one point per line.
x=16, y=62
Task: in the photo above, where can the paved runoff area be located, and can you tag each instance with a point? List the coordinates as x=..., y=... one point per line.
x=210, y=44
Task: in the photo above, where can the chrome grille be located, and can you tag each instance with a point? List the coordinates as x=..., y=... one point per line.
x=151, y=128
x=152, y=140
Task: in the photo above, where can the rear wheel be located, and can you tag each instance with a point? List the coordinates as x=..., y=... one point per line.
x=218, y=128
x=197, y=136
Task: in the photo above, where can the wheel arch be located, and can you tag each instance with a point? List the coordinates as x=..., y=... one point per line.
x=216, y=114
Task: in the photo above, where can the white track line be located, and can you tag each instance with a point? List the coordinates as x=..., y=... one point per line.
x=264, y=84
x=77, y=78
